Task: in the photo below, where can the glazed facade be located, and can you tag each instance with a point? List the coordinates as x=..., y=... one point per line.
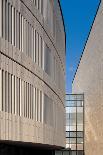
x=32, y=66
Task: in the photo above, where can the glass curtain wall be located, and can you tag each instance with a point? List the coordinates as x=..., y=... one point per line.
x=75, y=123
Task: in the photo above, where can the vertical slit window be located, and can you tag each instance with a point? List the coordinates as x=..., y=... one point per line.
x=1, y=91
x=41, y=52
x=12, y=26
x=42, y=7
x=6, y=19
x=15, y=28
x=24, y=97
x=35, y=47
x=38, y=4
x=32, y=108
x=14, y=94
x=1, y=19
x=26, y=37
x=17, y=95
x=28, y=99
x=33, y=44
x=11, y=23
x=19, y=41
x=19, y=91
x=38, y=50
x=22, y=33
x=40, y=106
x=6, y=97
x=35, y=104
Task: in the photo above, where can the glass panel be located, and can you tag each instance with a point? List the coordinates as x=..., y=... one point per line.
x=67, y=121
x=73, y=153
x=79, y=146
x=67, y=128
x=80, y=153
x=66, y=153
x=67, y=115
x=67, y=109
x=58, y=152
x=80, y=128
x=73, y=119
x=72, y=128
x=72, y=109
x=79, y=103
x=80, y=140
x=67, y=134
x=71, y=103
x=72, y=134
x=79, y=134
x=68, y=146
x=79, y=97
x=67, y=140
x=79, y=110
x=73, y=146
x=80, y=118
x=67, y=97
x=72, y=140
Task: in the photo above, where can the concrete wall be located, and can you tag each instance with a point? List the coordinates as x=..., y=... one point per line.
x=89, y=80
x=33, y=86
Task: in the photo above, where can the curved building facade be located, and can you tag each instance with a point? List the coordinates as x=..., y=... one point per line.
x=32, y=72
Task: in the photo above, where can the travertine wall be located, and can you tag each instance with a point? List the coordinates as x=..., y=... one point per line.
x=89, y=80
x=32, y=66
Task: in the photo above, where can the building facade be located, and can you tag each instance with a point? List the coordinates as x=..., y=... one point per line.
x=32, y=66
x=89, y=80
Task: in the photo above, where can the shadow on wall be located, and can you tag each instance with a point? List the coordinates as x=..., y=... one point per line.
x=6, y=149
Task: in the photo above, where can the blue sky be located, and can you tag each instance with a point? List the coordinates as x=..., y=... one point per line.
x=78, y=18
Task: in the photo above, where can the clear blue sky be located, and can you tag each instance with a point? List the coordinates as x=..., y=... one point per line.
x=78, y=18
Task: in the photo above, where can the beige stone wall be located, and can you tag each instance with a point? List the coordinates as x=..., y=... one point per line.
x=89, y=80
x=18, y=63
